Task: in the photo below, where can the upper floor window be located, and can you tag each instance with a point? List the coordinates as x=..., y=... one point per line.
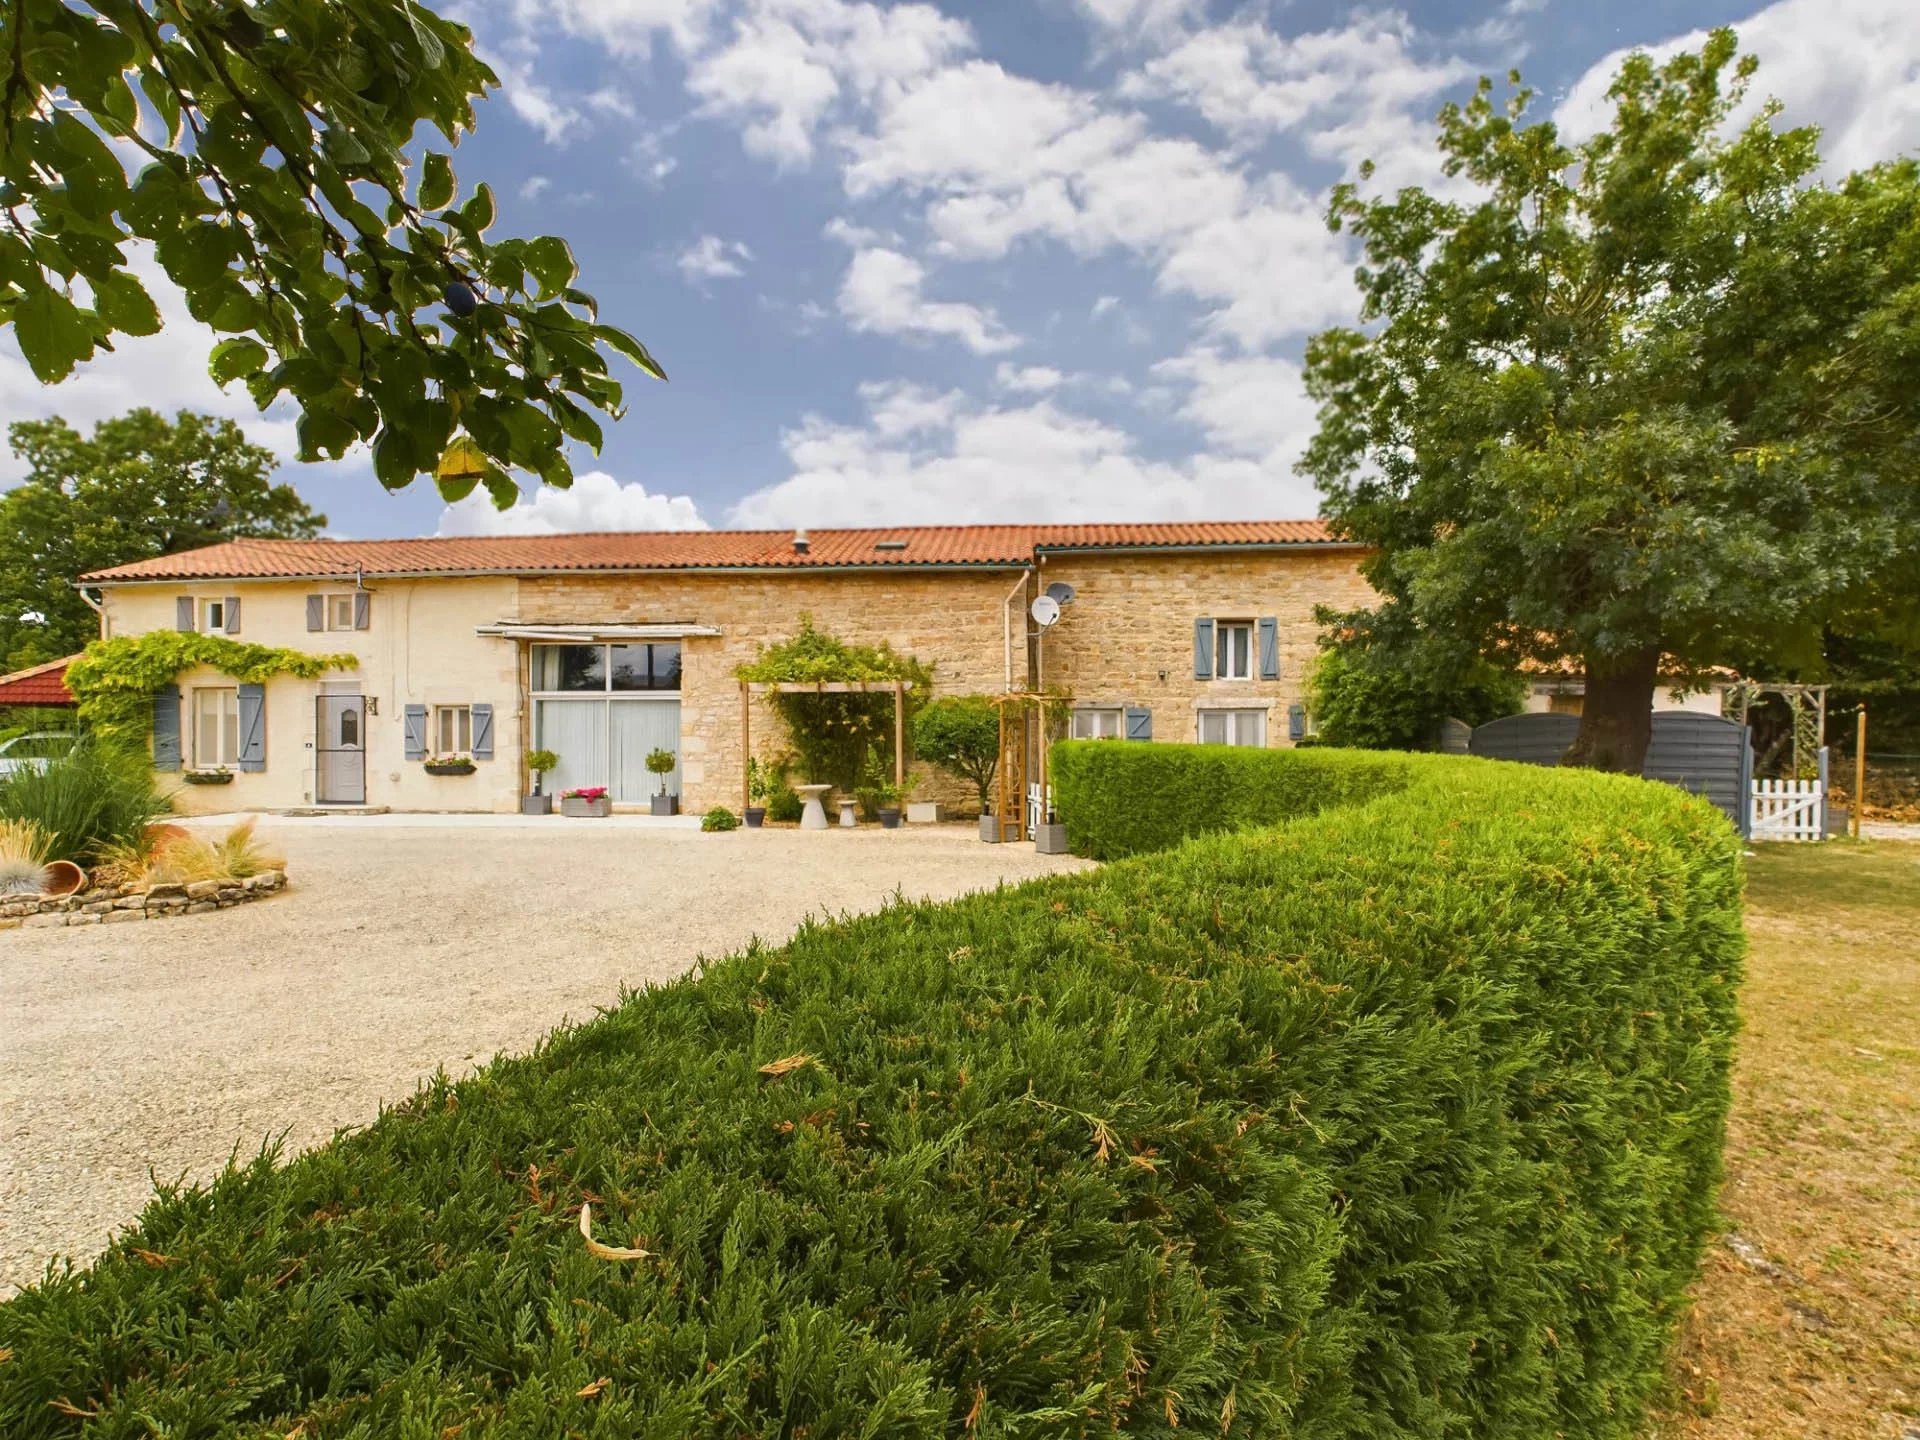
x=339, y=612
x=1233, y=650
x=213, y=616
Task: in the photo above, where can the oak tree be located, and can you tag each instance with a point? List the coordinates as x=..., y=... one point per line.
x=1651, y=393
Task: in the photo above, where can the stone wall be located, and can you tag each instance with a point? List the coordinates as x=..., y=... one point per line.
x=952, y=621
x=1127, y=637
x=128, y=903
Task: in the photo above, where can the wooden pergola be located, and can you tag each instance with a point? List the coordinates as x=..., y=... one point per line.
x=1017, y=709
x=751, y=688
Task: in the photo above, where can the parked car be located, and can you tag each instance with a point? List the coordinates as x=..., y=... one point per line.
x=33, y=750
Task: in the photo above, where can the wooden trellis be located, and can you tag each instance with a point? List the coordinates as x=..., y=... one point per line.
x=751, y=688
x=1022, y=721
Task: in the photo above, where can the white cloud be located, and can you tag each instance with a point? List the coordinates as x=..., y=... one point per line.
x=595, y=501
x=711, y=258
x=882, y=294
x=1137, y=18
x=1034, y=462
x=626, y=28
x=1356, y=93
x=534, y=186
x=532, y=101
x=1254, y=406
x=787, y=63
x=1029, y=379
x=1847, y=66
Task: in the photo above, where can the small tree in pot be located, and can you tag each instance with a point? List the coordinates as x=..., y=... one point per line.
x=660, y=762
x=757, y=790
x=541, y=763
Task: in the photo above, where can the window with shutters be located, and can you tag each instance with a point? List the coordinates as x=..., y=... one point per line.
x=213, y=616
x=1233, y=650
x=339, y=611
x=1233, y=727
x=216, y=727
x=452, y=730
x=1100, y=724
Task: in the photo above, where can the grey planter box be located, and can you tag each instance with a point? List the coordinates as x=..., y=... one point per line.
x=536, y=804
x=1051, y=839
x=926, y=812
x=990, y=829
x=586, y=809
x=666, y=805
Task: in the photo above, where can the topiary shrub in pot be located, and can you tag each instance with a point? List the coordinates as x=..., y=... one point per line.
x=541, y=763
x=757, y=790
x=660, y=762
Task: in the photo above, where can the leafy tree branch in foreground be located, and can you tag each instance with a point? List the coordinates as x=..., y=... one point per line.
x=277, y=193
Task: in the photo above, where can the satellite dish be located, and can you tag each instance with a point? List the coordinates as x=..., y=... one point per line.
x=1045, y=610
x=1061, y=592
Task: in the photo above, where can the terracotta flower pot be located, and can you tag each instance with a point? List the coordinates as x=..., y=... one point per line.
x=63, y=877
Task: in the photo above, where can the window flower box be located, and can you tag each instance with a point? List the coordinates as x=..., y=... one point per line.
x=450, y=765
x=590, y=803
x=221, y=776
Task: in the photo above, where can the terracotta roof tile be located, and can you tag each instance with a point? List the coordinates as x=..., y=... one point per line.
x=982, y=545
x=38, y=685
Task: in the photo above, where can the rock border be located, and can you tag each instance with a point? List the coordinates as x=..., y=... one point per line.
x=118, y=906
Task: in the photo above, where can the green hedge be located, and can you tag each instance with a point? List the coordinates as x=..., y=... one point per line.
x=1402, y=1122
x=1118, y=798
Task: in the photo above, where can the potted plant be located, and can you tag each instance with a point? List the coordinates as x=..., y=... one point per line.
x=220, y=776
x=660, y=761
x=450, y=765
x=586, y=802
x=757, y=791
x=886, y=800
x=540, y=762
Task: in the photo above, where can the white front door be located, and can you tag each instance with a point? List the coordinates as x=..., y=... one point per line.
x=340, y=749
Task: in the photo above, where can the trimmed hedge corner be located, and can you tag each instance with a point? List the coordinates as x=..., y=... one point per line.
x=1404, y=1121
x=1118, y=799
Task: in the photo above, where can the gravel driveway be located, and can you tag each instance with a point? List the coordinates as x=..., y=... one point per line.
x=394, y=950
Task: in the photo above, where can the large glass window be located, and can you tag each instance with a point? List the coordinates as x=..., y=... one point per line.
x=575, y=669
x=216, y=727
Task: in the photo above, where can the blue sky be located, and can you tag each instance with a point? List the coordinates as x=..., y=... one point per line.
x=1031, y=259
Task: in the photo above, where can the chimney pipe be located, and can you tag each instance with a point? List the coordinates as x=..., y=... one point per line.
x=800, y=542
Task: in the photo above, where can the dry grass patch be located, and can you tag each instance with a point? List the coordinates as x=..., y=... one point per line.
x=1807, y=1321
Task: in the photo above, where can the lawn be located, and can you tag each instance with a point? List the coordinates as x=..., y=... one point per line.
x=1807, y=1321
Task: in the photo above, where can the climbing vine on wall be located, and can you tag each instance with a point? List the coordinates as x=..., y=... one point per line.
x=834, y=735
x=114, y=681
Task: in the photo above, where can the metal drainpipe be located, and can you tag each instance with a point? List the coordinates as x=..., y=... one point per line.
x=1006, y=620
x=97, y=606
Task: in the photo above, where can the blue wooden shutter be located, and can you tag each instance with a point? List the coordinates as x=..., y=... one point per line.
x=362, y=609
x=416, y=732
x=316, y=612
x=1203, y=649
x=253, y=727
x=482, y=732
x=1296, y=722
x=183, y=612
x=166, y=728
x=1139, y=723
x=1269, y=647
x=230, y=614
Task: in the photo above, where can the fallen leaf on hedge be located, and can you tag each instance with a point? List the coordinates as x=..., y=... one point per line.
x=605, y=1252
x=587, y=1392
x=151, y=1258
x=777, y=1068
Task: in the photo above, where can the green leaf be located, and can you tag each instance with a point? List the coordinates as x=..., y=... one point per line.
x=123, y=302
x=436, y=181
x=479, y=211
x=552, y=264
x=53, y=332
x=621, y=341
x=234, y=358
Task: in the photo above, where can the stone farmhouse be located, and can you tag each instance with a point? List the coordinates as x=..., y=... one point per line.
x=601, y=647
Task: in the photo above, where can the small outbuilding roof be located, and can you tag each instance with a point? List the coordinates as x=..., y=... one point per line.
x=892, y=547
x=38, y=684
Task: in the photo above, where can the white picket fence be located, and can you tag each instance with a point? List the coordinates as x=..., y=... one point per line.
x=1789, y=810
x=1036, y=808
